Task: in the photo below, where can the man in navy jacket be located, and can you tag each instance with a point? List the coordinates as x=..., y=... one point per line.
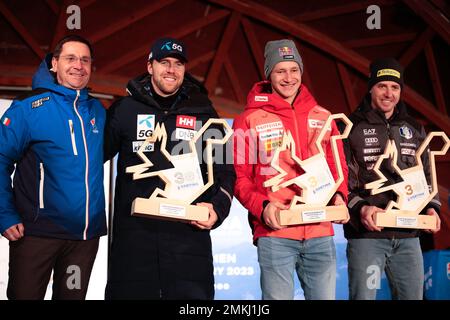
x=55, y=213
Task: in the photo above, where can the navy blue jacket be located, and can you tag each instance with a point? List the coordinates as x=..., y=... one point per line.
x=54, y=135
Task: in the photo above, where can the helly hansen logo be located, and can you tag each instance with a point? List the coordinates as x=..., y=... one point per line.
x=186, y=122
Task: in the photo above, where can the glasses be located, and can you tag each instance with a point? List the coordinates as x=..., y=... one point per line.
x=71, y=59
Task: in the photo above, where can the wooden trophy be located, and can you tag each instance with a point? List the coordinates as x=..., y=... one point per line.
x=413, y=193
x=317, y=183
x=183, y=182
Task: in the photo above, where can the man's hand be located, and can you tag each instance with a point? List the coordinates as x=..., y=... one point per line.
x=432, y=212
x=206, y=225
x=269, y=215
x=337, y=200
x=14, y=233
x=367, y=213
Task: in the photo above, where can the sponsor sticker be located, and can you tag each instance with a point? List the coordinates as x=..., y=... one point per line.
x=93, y=126
x=408, y=152
x=184, y=134
x=261, y=98
x=406, y=132
x=138, y=144
x=269, y=126
x=145, y=126
x=370, y=132
x=271, y=134
x=186, y=122
x=39, y=102
x=388, y=72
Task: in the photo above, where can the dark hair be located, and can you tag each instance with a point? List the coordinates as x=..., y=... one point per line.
x=71, y=38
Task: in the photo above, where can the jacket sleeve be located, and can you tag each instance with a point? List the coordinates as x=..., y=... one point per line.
x=434, y=203
x=14, y=138
x=343, y=187
x=224, y=178
x=245, y=155
x=111, y=145
x=355, y=199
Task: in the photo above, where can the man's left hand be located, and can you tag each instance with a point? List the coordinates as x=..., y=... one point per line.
x=206, y=225
x=432, y=212
x=337, y=200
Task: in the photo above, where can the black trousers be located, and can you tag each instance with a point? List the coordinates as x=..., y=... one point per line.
x=32, y=260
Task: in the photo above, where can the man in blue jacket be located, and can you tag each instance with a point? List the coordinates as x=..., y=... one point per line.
x=55, y=213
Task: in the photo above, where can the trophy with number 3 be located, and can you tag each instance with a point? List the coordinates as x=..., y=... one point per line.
x=413, y=193
x=183, y=183
x=317, y=183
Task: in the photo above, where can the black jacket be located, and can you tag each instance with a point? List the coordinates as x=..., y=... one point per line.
x=152, y=258
x=366, y=142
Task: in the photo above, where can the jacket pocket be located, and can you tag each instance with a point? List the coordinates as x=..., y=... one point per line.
x=72, y=137
x=41, y=185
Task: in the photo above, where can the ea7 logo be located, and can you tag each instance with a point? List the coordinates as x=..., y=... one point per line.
x=369, y=132
x=145, y=126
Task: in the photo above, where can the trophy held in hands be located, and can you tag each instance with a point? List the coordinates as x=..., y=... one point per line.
x=183, y=183
x=413, y=193
x=317, y=183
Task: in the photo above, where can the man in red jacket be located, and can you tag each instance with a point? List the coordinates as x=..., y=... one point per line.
x=273, y=107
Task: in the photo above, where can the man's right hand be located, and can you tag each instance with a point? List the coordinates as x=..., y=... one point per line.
x=14, y=233
x=367, y=213
x=269, y=215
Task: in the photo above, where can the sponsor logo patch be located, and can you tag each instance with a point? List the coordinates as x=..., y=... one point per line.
x=261, y=98
x=372, y=150
x=369, y=132
x=39, y=102
x=408, y=152
x=186, y=122
x=269, y=126
x=93, y=126
x=271, y=134
x=6, y=121
x=388, y=72
x=184, y=134
x=145, y=126
x=406, y=132
x=371, y=141
x=138, y=144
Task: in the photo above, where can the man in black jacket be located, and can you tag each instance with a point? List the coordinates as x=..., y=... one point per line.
x=380, y=117
x=152, y=258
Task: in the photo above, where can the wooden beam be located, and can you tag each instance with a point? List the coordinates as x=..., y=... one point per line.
x=184, y=30
x=21, y=30
x=338, y=10
x=417, y=46
x=235, y=82
x=348, y=87
x=431, y=16
x=226, y=108
x=443, y=6
x=424, y=107
x=85, y=3
x=129, y=19
x=199, y=60
x=255, y=47
x=435, y=80
x=221, y=53
x=53, y=6
x=379, y=41
x=333, y=48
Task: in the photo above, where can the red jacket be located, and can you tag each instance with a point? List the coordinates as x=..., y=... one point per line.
x=258, y=131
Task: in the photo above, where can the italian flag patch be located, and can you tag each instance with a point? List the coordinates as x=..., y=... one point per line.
x=6, y=121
